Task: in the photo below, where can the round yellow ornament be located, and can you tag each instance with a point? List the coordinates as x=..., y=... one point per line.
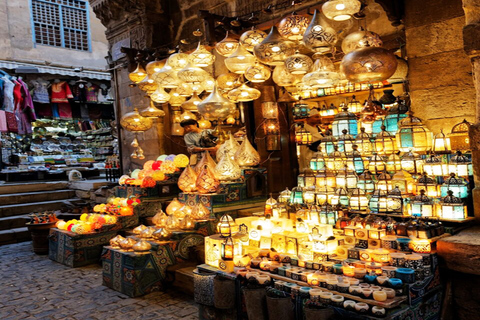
x=181, y=161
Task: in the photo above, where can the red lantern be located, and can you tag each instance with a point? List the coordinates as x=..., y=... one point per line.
x=148, y=182
x=126, y=211
x=156, y=165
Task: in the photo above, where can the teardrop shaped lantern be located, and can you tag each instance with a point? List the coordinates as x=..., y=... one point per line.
x=138, y=74
x=154, y=66
x=147, y=85
x=172, y=222
x=166, y=77
x=251, y=38
x=246, y=155
x=178, y=61
x=160, y=95
x=227, y=82
x=369, y=64
x=200, y=212
x=192, y=74
x=274, y=49
x=244, y=93
x=298, y=63
x=187, y=180
x=293, y=27
x=206, y=181
x=186, y=115
x=160, y=219
x=257, y=73
x=206, y=160
x=215, y=106
x=283, y=78
x=176, y=99
x=229, y=148
x=204, y=124
x=187, y=223
x=240, y=60
x=360, y=39
x=227, y=46
x=341, y=10
x=173, y=206
x=323, y=74
x=184, y=89
x=228, y=169
x=192, y=103
x=319, y=36
x=134, y=122
x=152, y=112
x=201, y=57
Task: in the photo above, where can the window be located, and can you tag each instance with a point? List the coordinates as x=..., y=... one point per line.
x=61, y=23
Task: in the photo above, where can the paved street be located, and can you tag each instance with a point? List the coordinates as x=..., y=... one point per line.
x=34, y=287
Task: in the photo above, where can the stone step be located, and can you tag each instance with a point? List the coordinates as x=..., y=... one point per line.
x=38, y=196
x=21, y=209
x=13, y=222
x=9, y=188
x=184, y=280
x=14, y=235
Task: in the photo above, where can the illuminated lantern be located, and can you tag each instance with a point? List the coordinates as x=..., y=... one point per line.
x=376, y=233
x=187, y=180
x=138, y=74
x=227, y=226
x=412, y=135
x=181, y=161
x=433, y=166
x=452, y=207
x=201, y=57
x=457, y=185
x=173, y=222
x=308, y=196
x=369, y=64
x=200, y=212
x=274, y=49
x=378, y=202
x=340, y=198
x=306, y=179
x=319, y=36
x=328, y=144
x=187, y=223
x=318, y=161
x=227, y=249
x=183, y=211
x=441, y=143
x=335, y=160
x=421, y=205
x=160, y=219
x=346, y=178
x=355, y=160
x=360, y=39
x=344, y=120
x=298, y=63
x=173, y=206
x=364, y=141
x=322, y=75
x=257, y=73
x=227, y=169
x=158, y=175
x=395, y=201
x=246, y=155
x=358, y=201
x=323, y=195
x=162, y=234
x=148, y=182
x=404, y=181
x=341, y=10
x=365, y=182
x=459, y=138
x=376, y=165
x=296, y=196
x=251, y=38
x=354, y=105
x=412, y=163
x=428, y=184
x=328, y=215
x=227, y=46
x=381, y=255
x=293, y=26
x=345, y=142
x=385, y=142
x=206, y=181
x=460, y=165
x=384, y=182
x=177, y=61
x=284, y=196
x=302, y=136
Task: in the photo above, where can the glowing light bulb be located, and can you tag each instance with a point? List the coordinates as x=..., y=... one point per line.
x=275, y=49
x=340, y=6
x=244, y=94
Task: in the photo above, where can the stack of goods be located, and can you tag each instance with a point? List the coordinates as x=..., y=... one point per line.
x=88, y=223
x=118, y=206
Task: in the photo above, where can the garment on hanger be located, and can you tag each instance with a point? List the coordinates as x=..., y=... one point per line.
x=3, y=121
x=65, y=110
x=40, y=91
x=92, y=93
x=8, y=100
x=12, y=122
x=103, y=94
x=25, y=111
x=61, y=92
x=79, y=92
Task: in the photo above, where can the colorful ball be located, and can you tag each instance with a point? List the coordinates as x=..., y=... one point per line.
x=170, y=157
x=156, y=165
x=181, y=161
x=148, y=165
x=123, y=179
x=158, y=175
x=168, y=167
x=162, y=157
x=84, y=217
x=135, y=173
x=61, y=224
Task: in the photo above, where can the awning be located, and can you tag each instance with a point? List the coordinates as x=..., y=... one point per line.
x=12, y=65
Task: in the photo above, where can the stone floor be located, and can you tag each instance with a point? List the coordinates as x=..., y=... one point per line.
x=34, y=287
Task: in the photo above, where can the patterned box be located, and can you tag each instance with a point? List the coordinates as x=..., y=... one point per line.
x=126, y=222
x=128, y=191
x=148, y=207
x=76, y=250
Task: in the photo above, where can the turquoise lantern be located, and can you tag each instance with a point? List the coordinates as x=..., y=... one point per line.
x=394, y=115
x=345, y=142
x=318, y=161
x=296, y=195
x=366, y=183
x=457, y=185
x=328, y=143
x=345, y=120
x=355, y=160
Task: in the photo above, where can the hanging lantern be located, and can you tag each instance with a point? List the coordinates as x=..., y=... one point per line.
x=385, y=143
x=335, y=160
x=452, y=207
x=459, y=138
x=323, y=195
x=166, y=77
x=138, y=74
x=134, y=122
x=428, y=184
x=227, y=82
x=284, y=196
x=355, y=160
x=341, y=10
x=302, y=136
x=240, y=60
x=283, y=78
x=346, y=178
x=376, y=165
x=228, y=169
x=192, y=74
x=393, y=118
x=323, y=74
x=215, y=106
x=345, y=142
x=187, y=180
x=244, y=93
x=364, y=141
x=147, y=85
x=412, y=163
x=201, y=57
x=319, y=36
x=176, y=99
x=257, y=73
x=186, y=115
x=154, y=66
x=251, y=38
x=246, y=155
x=433, y=166
x=460, y=165
x=457, y=185
x=204, y=124
x=328, y=143
x=160, y=96
x=274, y=49
x=360, y=39
x=413, y=135
x=369, y=64
x=306, y=179
x=298, y=63
x=227, y=46
x=178, y=61
x=185, y=89
x=358, y=201
x=421, y=205
x=378, y=202
x=394, y=163
x=206, y=181
x=293, y=27
x=441, y=143
x=384, y=182
x=354, y=105
x=152, y=112
x=325, y=179
x=404, y=181
x=192, y=103
x=344, y=120
x=340, y=198
x=365, y=182
x=317, y=162
x=227, y=226
x=270, y=110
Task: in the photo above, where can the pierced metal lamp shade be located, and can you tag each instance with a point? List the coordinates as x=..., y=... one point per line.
x=274, y=49
x=240, y=60
x=201, y=57
x=323, y=74
x=246, y=155
x=369, y=64
x=208, y=84
x=160, y=96
x=340, y=10
x=152, y=112
x=283, y=78
x=134, y=122
x=154, y=66
x=178, y=61
x=184, y=89
x=293, y=27
x=360, y=39
x=138, y=74
x=215, y=106
x=319, y=36
x=192, y=103
x=166, y=77
x=176, y=100
x=227, y=46
x=243, y=93
x=147, y=85
x=251, y=38
x=192, y=74
x=257, y=73
x=298, y=63
x=227, y=81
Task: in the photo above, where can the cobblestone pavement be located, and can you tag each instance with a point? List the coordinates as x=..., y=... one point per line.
x=34, y=287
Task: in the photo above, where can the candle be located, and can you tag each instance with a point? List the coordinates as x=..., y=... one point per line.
x=379, y=296
x=349, y=305
x=325, y=297
x=374, y=267
x=265, y=265
x=313, y=279
x=337, y=268
x=381, y=255
x=343, y=287
x=366, y=293
x=359, y=273
x=332, y=284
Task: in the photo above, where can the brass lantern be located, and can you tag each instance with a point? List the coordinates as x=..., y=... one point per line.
x=192, y=74
x=346, y=178
x=460, y=165
x=227, y=249
x=341, y=10
x=152, y=112
x=365, y=182
x=283, y=78
x=369, y=64
x=459, y=138
x=384, y=182
x=298, y=63
x=456, y=184
x=319, y=36
x=376, y=164
x=178, y=61
x=308, y=195
x=360, y=39
x=404, y=181
x=335, y=160
x=154, y=66
x=428, y=184
x=184, y=90
x=354, y=105
x=159, y=95
x=201, y=57
x=215, y=106
x=325, y=178
x=257, y=73
x=134, y=122
x=227, y=82
x=166, y=77
x=284, y=196
x=323, y=74
x=394, y=163
x=306, y=179
x=421, y=205
x=240, y=60
x=345, y=120
x=452, y=207
x=302, y=136
x=413, y=135
x=192, y=103
x=358, y=201
x=328, y=143
x=441, y=143
x=412, y=163
x=364, y=141
x=207, y=181
x=378, y=202
x=395, y=201
x=355, y=160
x=274, y=49
x=227, y=46
x=434, y=167
x=246, y=155
x=323, y=195
x=226, y=226
x=345, y=142
x=340, y=198
x=176, y=99
x=385, y=143
x=293, y=26
x=227, y=169
x=147, y=85
x=138, y=74
x=187, y=180
x=244, y=93
x=251, y=38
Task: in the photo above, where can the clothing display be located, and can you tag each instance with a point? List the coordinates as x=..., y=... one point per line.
x=40, y=91
x=8, y=102
x=92, y=92
x=61, y=92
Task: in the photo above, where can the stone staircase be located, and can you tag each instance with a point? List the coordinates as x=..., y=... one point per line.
x=17, y=200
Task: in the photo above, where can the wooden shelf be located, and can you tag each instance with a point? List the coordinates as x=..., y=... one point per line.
x=468, y=219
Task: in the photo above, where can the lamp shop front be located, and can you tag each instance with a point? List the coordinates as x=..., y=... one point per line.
x=334, y=156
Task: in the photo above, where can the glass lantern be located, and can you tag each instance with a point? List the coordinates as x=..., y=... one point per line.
x=378, y=202
x=460, y=165
x=404, y=181
x=328, y=215
x=459, y=138
x=335, y=160
x=354, y=105
x=293, y=26
x=452, y=207
x=251, y=38
x=393, y=117
x=324, y=195
x=306, y=179
x=346, y=178
x=340, y=198
x=301, y=110
x=421, y=205
x=344, y=120
x=226, y=226
x=457, y=185
x=412, y=135
x=365, y=182
x=395, y=201
x=364, y=141
x=319, y=37
x=296, y=195
x=384, y=182
x=284, y=196
x=274, y=49
x=412, y=163
x=376, y=165
x=385, y=143
x=433, y=166
x=227, y=249
x=345, y=142
x=428, y=184
x=355, y=160
x=441, y=143
x=325, y=178
x=322, y=75
x=328, y=144
x=358, y=201
x=318, y=161
x=309, y=195
x=270, y=110
x=394, y=163
x=302, y=136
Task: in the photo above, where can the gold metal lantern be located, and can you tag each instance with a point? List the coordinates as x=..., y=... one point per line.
x=138, y=74
x=240, y=60
x=319, y=37
x=459, y=138
x=341, y=10
x=227, y=46
x=369, y=64
x=293, y=26
x=257, y=73
x=360, y=39
x=215, y=106
x=274, y=49
x=201, y=57
x=251, y=38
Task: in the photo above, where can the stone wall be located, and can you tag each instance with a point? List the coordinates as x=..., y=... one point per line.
x=440, y=72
